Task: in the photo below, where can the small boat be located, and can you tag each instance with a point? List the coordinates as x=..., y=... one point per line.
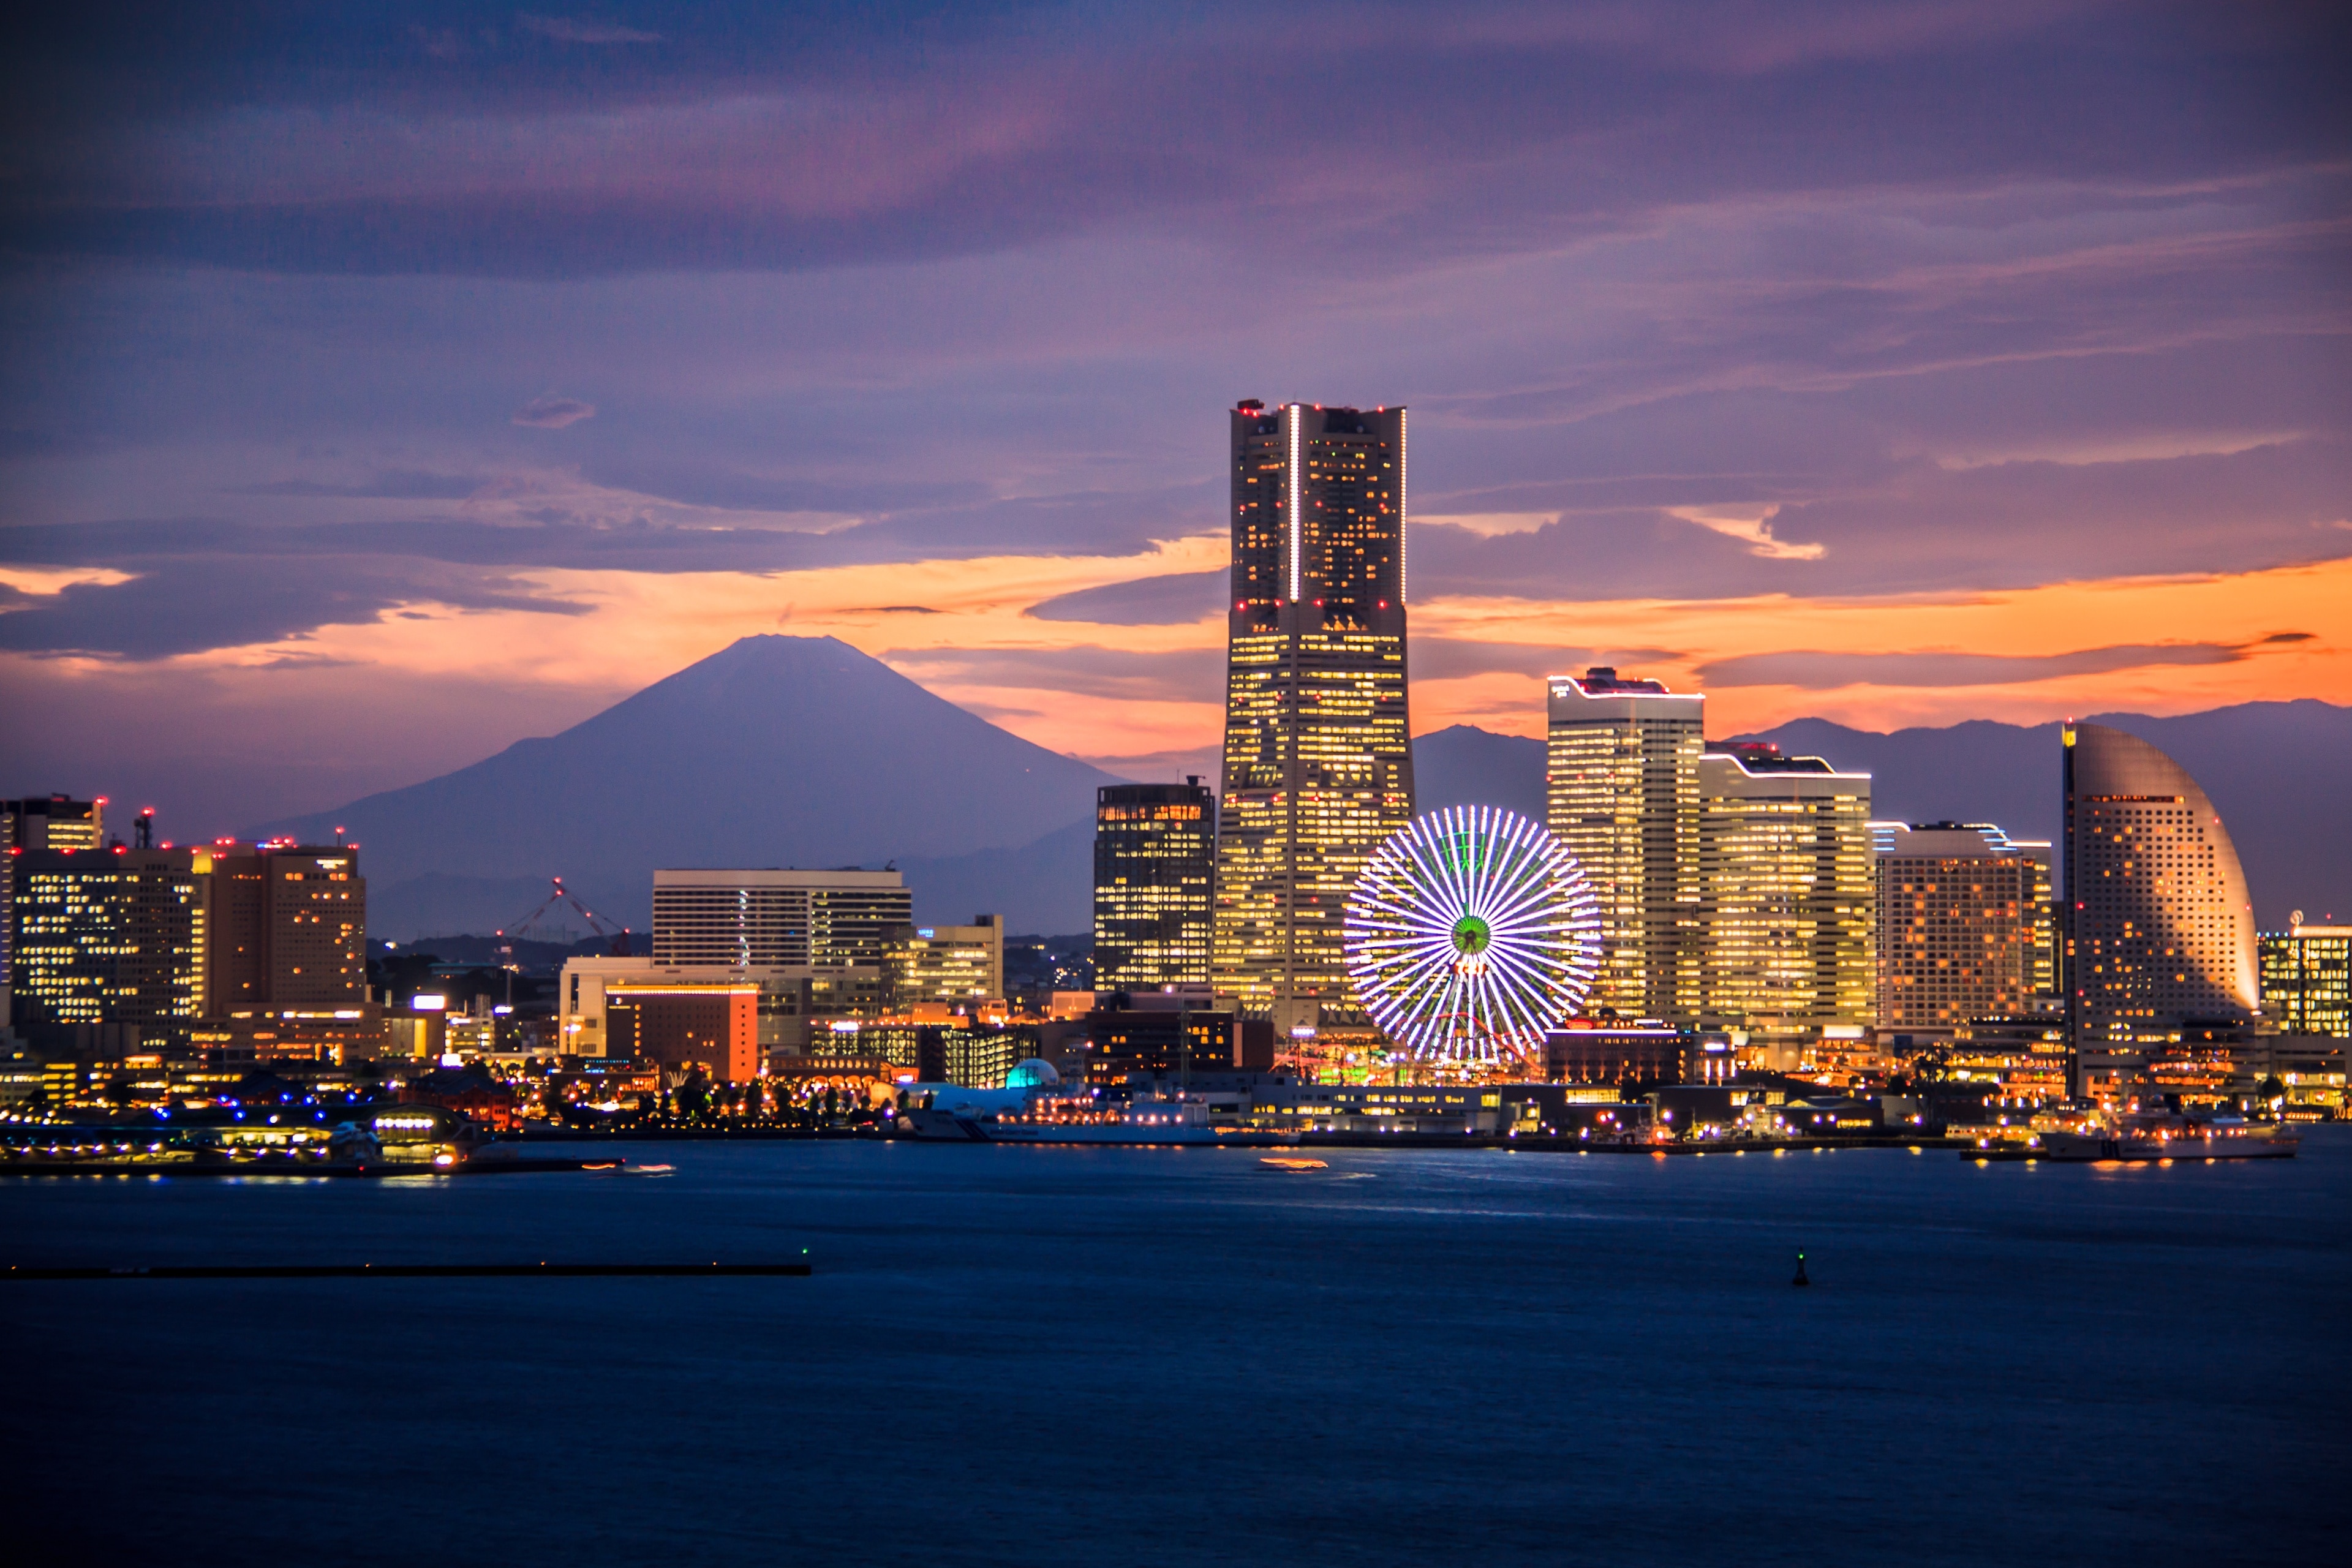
x=1144, y=1123
x=1277, y=1162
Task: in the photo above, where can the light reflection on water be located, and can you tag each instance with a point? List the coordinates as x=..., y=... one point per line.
x=1082, y=1356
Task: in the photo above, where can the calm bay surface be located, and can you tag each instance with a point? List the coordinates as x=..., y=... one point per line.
x=1044, y=1355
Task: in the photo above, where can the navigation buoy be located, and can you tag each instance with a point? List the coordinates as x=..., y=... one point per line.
x=1801, y=1279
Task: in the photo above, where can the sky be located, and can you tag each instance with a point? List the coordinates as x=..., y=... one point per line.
x=385, y=384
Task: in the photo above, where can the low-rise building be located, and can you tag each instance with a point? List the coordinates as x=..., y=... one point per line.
x=711, y=1026
x=959, y=965
x=1177, y=1029
x=2306, y=978
x=795, y=1005
x=1599, y=1051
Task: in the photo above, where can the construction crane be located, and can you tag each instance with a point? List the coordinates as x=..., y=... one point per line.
x=619, y=940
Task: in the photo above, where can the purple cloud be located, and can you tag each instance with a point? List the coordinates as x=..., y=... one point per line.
x=553, y=413
x=586, y=30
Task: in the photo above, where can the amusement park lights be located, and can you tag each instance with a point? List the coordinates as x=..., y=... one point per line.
x=1471, y=932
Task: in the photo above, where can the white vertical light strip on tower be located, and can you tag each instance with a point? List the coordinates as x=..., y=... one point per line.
x=1295, y=411
x=1404, y=488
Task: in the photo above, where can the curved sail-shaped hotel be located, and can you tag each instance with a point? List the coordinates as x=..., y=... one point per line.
x=2159, y=928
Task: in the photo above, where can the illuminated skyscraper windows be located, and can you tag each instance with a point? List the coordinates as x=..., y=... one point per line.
x=1620, y=774
x=1964, y=923
x=1786, y=893
x=1154, y=855
x=1317, y=760
x=2160, y=929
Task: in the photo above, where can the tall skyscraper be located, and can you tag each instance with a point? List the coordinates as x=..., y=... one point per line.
x=1318, y=755
x=1155, y=855
x=2307, y=978
x=1964, y=923
x=1786, y=895
x=2159, y=929
x=1621, y=789
x=776, y=919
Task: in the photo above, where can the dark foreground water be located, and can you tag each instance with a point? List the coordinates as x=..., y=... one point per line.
x=1025, y=1356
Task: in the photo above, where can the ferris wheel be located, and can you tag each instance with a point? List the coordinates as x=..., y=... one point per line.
x=1470, y=933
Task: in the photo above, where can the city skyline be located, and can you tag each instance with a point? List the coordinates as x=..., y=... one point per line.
x=1800, y=814
x=1977, y=414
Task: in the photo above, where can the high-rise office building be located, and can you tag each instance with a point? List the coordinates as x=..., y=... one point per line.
x=287, y=924
x=1318, y=754
x=2306, y=978
x=777, y=918
x=2158, y=929
x=27, y=826
x=1964, y=923
x=1621, y=791
x=1155, y=856
x=1786, y=896
x=114, y=936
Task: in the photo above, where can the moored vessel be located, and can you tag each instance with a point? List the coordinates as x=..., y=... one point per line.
x=2144, y=1138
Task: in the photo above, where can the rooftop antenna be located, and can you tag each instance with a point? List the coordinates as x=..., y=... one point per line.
x=144, y=833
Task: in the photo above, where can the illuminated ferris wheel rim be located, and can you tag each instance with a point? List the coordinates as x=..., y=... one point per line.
x=1471, y=931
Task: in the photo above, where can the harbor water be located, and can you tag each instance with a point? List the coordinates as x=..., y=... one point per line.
x=1026, y=1355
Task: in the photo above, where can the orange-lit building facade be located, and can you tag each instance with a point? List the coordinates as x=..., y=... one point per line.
x=1964, y=923
x=1318, y=751
x=1786, y=898
x=713, y=1025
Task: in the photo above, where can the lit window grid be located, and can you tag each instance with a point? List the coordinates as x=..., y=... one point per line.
x=1153, y=914
x=776, y=928
x=2306, y=982
x=2156, y=938
x=1788, y=907
x=111, y=943
x=1622, y=794
x=1960, y=937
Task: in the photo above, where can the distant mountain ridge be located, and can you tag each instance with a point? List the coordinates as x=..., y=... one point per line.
x=776, y=750
x=2279, y=773
x=782, y=750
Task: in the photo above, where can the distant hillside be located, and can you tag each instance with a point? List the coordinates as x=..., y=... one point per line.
x=2279, y=773
x=1465, y=765
x=804, y=751
x=774, y=752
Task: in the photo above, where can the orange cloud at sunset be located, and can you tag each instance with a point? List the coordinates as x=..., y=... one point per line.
x=2258, y=635
x=2156, y=645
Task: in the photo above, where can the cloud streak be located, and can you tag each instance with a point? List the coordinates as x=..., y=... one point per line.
x=553, y=413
